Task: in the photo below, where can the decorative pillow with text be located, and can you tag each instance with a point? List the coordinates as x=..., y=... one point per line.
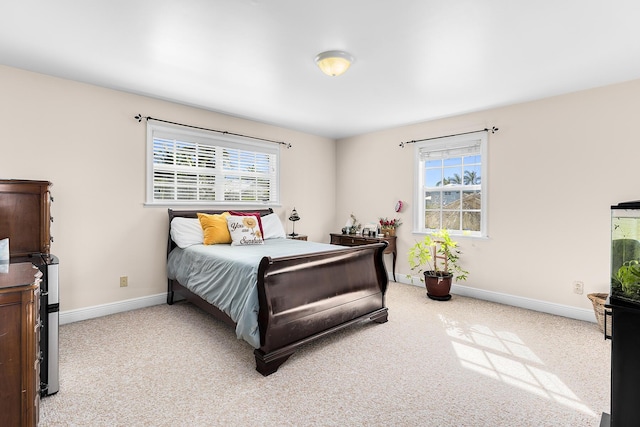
x=245, y=213
x=244, y=230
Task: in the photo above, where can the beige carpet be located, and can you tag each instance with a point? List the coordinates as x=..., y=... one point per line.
x=463, y=362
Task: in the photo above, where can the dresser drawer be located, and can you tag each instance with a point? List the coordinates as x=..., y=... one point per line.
x=348, y=240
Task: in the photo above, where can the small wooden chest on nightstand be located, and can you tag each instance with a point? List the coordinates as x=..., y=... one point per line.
x=297, y=237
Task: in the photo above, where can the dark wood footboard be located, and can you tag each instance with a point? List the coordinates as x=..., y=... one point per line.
x=305, y=297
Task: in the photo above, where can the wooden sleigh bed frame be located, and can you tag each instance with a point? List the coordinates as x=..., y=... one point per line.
x=305, y=297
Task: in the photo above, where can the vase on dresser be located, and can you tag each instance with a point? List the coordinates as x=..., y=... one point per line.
x=389, y=232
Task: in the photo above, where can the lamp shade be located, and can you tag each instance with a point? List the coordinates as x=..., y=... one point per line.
x=334, y=62
x=294, y=215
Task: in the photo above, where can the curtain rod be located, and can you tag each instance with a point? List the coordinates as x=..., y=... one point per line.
x=139, y=117
x=492, y=130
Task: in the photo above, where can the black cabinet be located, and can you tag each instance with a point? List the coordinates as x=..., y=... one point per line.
x=625, y=365
x=624, y=305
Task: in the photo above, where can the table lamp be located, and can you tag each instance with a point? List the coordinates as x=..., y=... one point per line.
x=293, y=218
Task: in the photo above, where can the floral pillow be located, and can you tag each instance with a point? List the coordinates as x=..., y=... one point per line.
x=244, y=230
x=256, y=214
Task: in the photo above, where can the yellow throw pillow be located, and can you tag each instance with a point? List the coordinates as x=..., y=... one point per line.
x=214, y=228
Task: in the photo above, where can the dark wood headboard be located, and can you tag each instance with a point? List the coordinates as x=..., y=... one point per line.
x=194, y=214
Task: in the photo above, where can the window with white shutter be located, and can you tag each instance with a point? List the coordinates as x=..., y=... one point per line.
x=187, y=166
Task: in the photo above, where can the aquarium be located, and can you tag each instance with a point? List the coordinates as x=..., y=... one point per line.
x=625, y=252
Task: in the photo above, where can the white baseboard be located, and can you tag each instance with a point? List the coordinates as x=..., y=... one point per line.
x=77, y=315
x=515, y=301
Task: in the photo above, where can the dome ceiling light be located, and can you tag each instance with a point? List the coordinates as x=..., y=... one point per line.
x=334, y=62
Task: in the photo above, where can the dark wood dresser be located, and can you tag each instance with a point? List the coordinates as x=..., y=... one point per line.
x=357, y=239
x=25, y=218
x=19, y=344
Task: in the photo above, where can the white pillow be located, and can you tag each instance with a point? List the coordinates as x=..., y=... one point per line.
x=244, y=230
x=272, y=227
x=186, y=232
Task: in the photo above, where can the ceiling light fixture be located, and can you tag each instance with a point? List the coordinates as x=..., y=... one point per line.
x=334, y=62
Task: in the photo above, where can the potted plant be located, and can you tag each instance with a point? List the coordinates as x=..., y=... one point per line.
x=437, y=258
x=353, y=226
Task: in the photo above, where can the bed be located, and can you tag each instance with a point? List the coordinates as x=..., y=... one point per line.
x=297, y=297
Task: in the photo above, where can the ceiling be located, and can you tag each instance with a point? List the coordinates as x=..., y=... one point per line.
x=416, y=60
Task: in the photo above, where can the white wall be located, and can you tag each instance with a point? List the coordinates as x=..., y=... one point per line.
x=555, y=167
x=85, y=140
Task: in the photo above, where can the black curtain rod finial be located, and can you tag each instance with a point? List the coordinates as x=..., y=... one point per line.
x=492, y=130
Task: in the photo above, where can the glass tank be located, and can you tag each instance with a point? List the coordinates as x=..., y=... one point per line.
x=625, y=252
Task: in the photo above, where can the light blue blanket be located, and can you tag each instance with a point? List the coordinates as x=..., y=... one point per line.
x=226, y=276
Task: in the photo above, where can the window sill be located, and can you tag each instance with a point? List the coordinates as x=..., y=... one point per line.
x=230, y=205
x=453, y=236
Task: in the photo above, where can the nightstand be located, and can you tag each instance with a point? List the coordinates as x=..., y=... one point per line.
x=357, y=239
x=297, y=237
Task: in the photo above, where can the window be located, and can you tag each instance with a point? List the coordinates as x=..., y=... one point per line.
x=186, y=166
x=451, y=182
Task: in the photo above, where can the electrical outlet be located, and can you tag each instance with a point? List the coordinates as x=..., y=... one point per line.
x=578, y=287
x=124, y=281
